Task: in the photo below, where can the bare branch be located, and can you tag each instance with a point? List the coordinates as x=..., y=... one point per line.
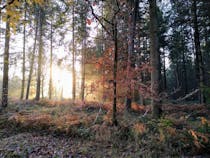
x=99, y=20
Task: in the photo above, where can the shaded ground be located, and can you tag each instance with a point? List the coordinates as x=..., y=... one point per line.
x=62, y=129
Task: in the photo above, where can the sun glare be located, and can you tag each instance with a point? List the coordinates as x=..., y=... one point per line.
x=62, y=81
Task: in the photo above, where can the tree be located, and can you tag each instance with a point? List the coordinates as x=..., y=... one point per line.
x=199, y=58
x=24, y=53
x=82, y=34
x=155, y=60
x=73, y=54
x=41, y=21
x=6, y=64
x=112, y=22
x=133, y=10
x=33, y=53
x=51, y=56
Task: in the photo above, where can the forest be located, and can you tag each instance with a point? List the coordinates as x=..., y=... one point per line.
x=104, y=78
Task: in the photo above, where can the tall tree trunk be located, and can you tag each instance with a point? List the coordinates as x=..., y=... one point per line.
x=134, y=4
x=6, y=65
x=73, y=57
x=198, y=54
x=51, y=55
x=24, y=54
x=32, y=61
x=38, y=86
x=155, y=60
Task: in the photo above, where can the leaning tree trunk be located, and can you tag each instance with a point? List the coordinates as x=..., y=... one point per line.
x=198, y=54
x=24, y=54
x=134, y=4
x=155, y=60
x=38, y=86
x=6, y=65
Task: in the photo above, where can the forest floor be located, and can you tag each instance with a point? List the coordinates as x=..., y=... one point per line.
x=63, y=129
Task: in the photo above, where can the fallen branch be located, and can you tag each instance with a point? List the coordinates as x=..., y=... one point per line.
x=175, y=91
x=188, y=95
x=165, y=95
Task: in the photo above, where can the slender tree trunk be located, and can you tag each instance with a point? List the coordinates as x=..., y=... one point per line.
x=177, y=76
x=73, y=58
x=83, y=70
x=155, y=60
x=184, y=73
x=51, y=55
x=24, y=55
x=134, y=4
x=42, y=86
x=38, y=86
x=198, y=54
x=164, y=72
x=32, y=61
x=114, y=118
x=6, y=65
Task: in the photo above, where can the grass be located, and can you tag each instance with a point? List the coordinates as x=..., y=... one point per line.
x=178, y=133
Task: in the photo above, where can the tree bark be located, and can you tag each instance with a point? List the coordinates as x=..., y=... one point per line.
x=24, y=54
x=155, y=60
x=198, y=54
x=6, y=65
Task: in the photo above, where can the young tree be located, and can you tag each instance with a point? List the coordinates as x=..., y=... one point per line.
x=112, y=22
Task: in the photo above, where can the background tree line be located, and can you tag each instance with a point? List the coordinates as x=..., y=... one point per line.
x=129, y=51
